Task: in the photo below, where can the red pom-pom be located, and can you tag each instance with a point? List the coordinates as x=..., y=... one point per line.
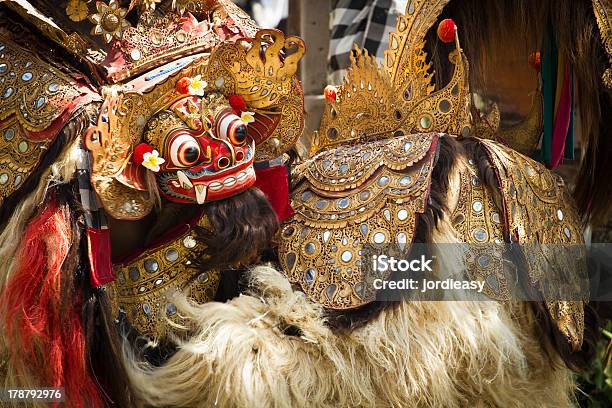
x=447, y=30
x=331, y=93
x=237, y=103
x=182, y=86
x=534, y=60
x=139, y=151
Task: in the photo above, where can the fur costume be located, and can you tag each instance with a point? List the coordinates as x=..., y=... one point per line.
x=161, y=244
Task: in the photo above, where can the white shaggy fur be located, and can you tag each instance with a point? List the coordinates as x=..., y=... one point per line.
x=421, y=354
x=416, y=354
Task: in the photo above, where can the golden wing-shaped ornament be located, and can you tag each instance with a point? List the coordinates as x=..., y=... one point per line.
x=541, y=216
x=262, y=78
x=405, y=60
x=364, y=105
x=346, y=199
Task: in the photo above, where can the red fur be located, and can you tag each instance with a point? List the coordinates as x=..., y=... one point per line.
x=237, y=103
x=44, y=332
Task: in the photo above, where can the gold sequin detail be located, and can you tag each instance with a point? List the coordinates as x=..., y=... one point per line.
x=144, y=286
x=345, y=198
x=542, y=217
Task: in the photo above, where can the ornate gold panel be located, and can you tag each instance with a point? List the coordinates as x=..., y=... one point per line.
x=144, y=285
x=480, y=223
x=36, y=100
x=542, y=217
x=345, y=198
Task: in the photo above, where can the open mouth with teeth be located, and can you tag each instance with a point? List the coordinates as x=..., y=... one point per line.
x=185, y=186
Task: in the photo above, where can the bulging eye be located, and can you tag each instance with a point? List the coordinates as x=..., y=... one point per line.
x=238, y=134
x=230, y=127
x=184, y=151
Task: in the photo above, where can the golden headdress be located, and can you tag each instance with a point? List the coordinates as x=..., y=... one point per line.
x=398, y=97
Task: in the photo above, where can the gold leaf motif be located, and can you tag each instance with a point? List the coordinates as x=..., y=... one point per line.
x=345, y=199
x=398, y=98
x=77, y=10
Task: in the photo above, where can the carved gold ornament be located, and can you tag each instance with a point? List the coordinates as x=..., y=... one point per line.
x=36, y=100
x=109, y=21
x=603, y=14
x=145, y=285
x=266, y=83
x=523, y=137
x=397, y=98
x=77, y=10
x=348, y=197
x=541, y=216
x=479, y=222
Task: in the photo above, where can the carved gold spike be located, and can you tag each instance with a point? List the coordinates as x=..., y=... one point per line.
x=603, y=15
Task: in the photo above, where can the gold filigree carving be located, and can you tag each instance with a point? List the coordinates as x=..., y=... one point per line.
x=348, y=197
x=144, y=286
x=18, y=156
x=479, y=223
x=73, y=42
x=541, y=215
x=397, y=98
x=603, y=14
x=36, y=99
x=109, y=20
x=229, y=70
x=34, y=91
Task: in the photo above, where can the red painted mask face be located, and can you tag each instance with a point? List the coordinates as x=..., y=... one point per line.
x=207, y=151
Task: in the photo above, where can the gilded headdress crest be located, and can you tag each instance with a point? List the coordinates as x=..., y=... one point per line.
x=398, y=97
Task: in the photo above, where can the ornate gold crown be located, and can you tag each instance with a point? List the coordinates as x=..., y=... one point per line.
x=397, y=98
x=157, y=40
x=114, y=50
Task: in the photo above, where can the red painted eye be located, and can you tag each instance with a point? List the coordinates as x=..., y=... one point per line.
x=228, y=126
x=184, y=151
x=238, y=134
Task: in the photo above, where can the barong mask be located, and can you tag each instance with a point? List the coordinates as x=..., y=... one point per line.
x=194, y=124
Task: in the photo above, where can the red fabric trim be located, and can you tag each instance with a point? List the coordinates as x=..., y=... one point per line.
x=274, y=183
x=99, y=254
